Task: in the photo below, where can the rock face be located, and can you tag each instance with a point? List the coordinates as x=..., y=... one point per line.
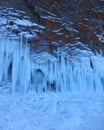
x=72, y=20
x=68, y=21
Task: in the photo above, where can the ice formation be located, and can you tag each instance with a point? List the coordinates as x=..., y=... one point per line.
x=43, y=72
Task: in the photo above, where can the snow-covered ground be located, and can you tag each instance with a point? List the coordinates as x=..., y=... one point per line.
x=51, y=111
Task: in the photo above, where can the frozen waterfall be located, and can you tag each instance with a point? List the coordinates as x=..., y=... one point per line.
x=21, y=71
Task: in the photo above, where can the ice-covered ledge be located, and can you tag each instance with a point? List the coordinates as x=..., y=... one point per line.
x=44, y=72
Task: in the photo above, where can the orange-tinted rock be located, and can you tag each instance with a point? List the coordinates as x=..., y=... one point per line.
x=69, y=20
x=100, y=15
x=94, y=38
x=83, y=28
x=50, y=24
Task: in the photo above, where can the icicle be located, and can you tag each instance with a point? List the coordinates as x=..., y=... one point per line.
x=43, y=72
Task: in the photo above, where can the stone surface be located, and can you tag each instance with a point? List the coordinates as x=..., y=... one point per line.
x=66, y=21
x=72, y=20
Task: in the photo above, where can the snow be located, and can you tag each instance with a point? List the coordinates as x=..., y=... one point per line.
x=50, y=111
x=3, y=21
x=23, y=22
x=50, y=13
x=101, y=37
x=32, y=36
x=42, y=58
x=11, y=15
